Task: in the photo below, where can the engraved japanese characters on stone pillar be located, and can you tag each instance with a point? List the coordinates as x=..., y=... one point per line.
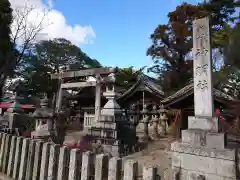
x=203, y=96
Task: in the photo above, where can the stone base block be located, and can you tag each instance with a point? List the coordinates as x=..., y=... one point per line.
x=194, y=137
x=216, y=140
x=197, y=137
x=203, y=123
x=202, y=162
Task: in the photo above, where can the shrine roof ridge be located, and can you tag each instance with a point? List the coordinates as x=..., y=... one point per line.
x=188, y=90
x=148, y=82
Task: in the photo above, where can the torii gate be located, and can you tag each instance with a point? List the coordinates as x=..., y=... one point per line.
x=100, y=75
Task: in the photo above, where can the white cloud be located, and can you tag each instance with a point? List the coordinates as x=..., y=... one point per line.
x=54, y=24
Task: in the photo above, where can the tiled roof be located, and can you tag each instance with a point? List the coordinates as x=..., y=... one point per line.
x=148, y=84
x=188, y=90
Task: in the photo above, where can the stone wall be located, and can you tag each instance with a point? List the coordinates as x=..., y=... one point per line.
x=29, y=159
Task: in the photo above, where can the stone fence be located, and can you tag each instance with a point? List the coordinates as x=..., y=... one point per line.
x=29, y=159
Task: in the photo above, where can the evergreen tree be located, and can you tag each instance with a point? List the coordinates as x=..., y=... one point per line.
x=6, y=47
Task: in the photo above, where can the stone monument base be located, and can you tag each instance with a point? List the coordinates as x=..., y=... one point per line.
x=202, y=155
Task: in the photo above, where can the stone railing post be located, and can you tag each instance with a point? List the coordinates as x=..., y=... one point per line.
x=75, y=164
x=24, y=159
x=87, y=166
x=37, y=160
x=44, y=161
x=30, y=163
x=11, y=156
x=114, y=170
x=101, y=167
x=2, y=149
x=53, y=161
x=130, y=170
x=6, y=153
x=149, y=173
x=17, y=158
x=63, y=162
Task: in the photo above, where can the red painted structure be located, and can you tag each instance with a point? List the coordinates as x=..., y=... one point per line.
x=6, y=105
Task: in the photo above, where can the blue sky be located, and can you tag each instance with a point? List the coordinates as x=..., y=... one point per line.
x=122, y=27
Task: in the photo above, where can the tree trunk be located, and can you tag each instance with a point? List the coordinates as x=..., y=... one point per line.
x=2, y=82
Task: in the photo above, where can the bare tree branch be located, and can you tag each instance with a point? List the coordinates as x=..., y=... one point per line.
x=24, y=35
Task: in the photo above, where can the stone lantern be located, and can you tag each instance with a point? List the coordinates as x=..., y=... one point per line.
x=155, y=122
x=145, y=121
x=14, y=114
x=133, y=115
x=163, y=119
x=43, y=120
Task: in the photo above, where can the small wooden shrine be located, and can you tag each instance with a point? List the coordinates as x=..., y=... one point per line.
x=145, y=91
x=183, y=100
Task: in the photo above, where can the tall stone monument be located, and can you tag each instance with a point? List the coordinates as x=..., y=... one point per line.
x=201, y=153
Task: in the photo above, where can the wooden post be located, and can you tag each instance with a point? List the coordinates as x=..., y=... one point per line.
x=98, y=98
x=59, y=96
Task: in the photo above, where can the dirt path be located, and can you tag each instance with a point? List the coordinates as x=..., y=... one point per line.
x=155, y=154
x=4, y=177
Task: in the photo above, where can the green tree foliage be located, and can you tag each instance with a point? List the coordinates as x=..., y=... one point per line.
x=223, y=15
x=221, y=11
x=172, y=42
x=50, y=57
x=232, y=63
x=6, y=46
x=232, y=58
x=126, y=77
